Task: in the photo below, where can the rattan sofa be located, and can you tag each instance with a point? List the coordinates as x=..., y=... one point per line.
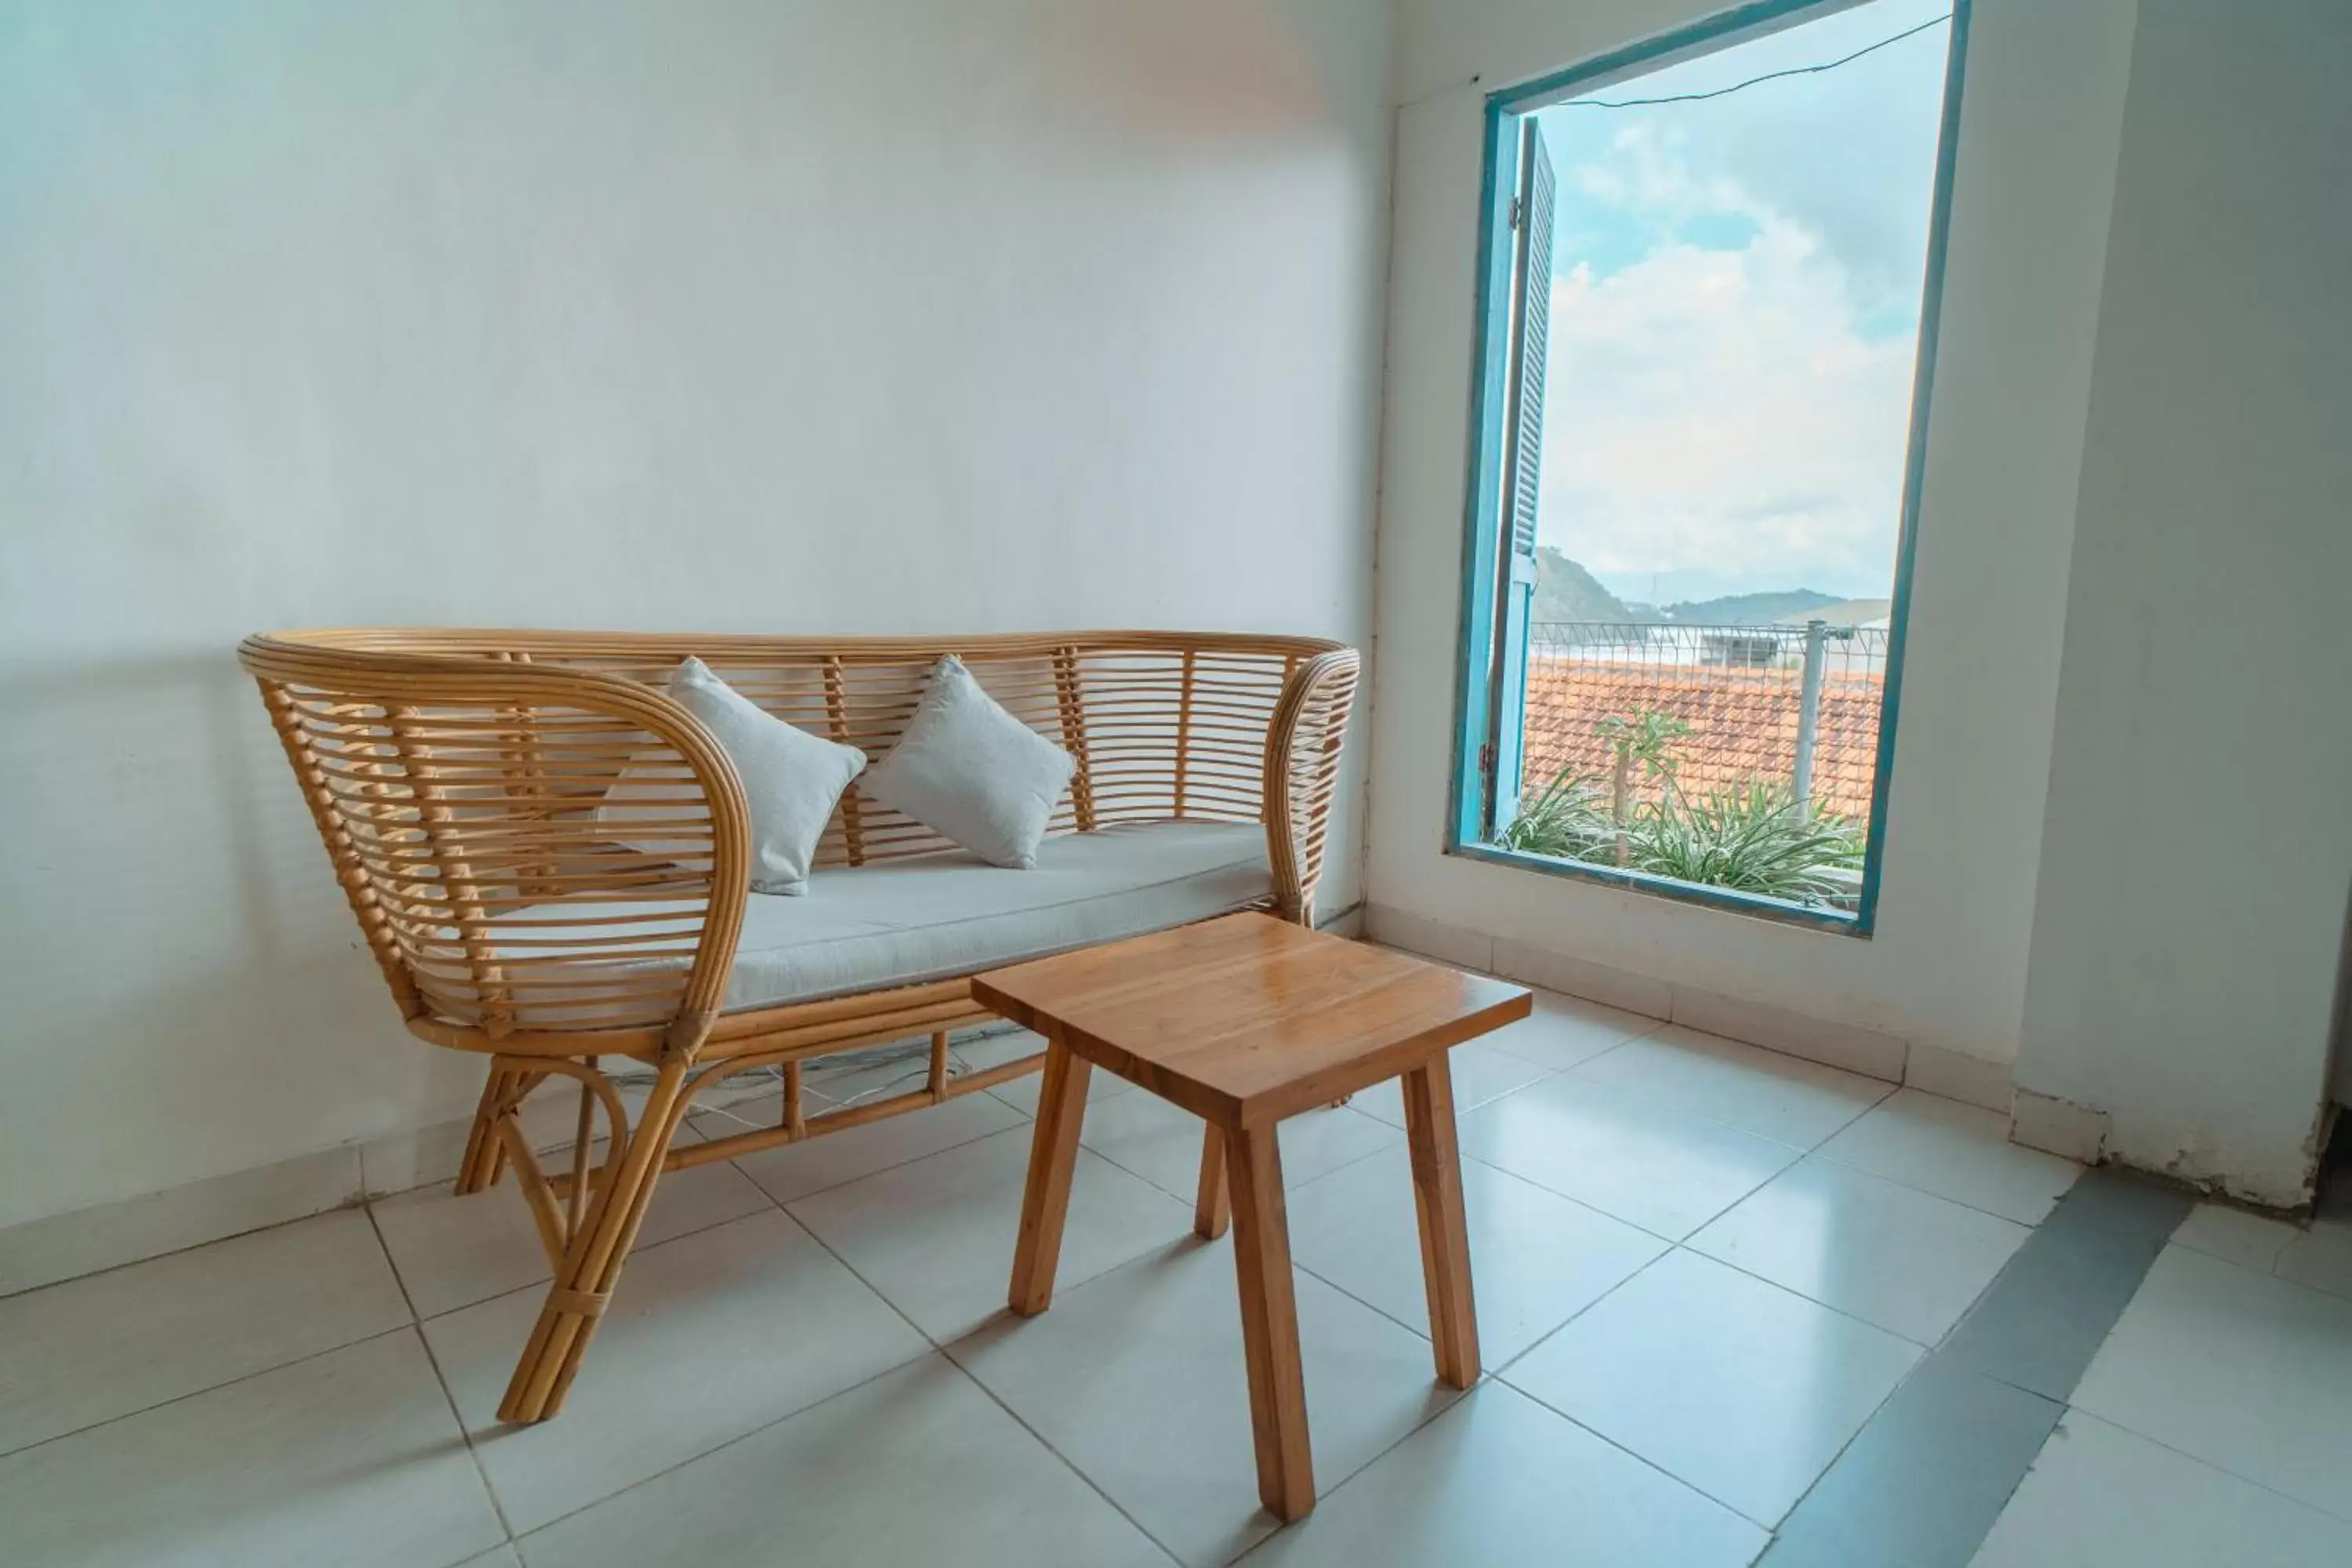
x=454, y=776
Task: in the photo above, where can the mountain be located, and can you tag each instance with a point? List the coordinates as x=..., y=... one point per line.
x=1566, y=592
x=1752, y=609
x=1844, y=613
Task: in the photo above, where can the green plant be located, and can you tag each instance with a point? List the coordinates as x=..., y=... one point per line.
x=1647, y=738
x=1565, y=819
x=1753, y=839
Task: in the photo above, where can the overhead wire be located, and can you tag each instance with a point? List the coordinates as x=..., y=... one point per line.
x=1751, y=81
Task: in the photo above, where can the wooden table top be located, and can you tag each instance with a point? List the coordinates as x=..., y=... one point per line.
x=1248, y=1020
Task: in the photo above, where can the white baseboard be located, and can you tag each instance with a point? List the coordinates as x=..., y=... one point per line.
x=2059, y=1127
x=1349, y=922
x=1432, y=939
x=1955, y=1075
x=67, y=1246
x=1866, y=1051
x=1933, y=1070
x=1619, y=988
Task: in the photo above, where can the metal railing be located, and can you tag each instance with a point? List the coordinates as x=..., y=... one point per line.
x=1791, y=707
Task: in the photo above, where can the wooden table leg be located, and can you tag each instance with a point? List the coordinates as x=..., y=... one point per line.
x=1045, y=1200
x=1285, y=1468
x=1210, y=1209
x=1444, y=1235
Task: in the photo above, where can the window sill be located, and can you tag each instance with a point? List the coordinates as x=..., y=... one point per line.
x=1726, y=899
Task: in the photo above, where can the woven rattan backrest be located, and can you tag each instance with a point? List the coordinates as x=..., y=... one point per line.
x=454, y=799
x=1163, y=724
x=455, y=775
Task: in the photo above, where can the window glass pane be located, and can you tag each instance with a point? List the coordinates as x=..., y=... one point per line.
x=1736, y=257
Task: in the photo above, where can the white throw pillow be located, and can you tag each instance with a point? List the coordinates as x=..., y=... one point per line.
x=792, y=780
x=970, y=772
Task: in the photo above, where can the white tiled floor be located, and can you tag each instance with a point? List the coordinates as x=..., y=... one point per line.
x=1743, y=1389
x=1889, y=1255
x=2215, y=1424
x=934, y=1236
x=1646, y=1162
x=1498, y=1478
x=2248, y=1373
x=345, y=1458
x=1144, y=1135
x=1700, y=1268
x=2100, y=1497
x=714, y=1335
x=2318, y=1254
x=1355, y=1227
x=1137, y=1381
x=1953, y=1150
x=1790, y=1102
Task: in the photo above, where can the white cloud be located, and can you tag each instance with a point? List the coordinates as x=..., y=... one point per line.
x=1719, y=415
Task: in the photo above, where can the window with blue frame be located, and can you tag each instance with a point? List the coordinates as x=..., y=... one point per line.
x=1709, y=274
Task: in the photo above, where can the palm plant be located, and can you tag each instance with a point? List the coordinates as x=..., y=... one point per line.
x=1755, y=839
x=1752, y=838
x=1565, y=820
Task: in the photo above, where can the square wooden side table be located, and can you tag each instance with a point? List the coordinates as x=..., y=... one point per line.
x=1244, y=1021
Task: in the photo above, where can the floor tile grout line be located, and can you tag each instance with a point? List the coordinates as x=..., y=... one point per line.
x=355, y=1201
x=1915, y=1370
x=1543, y=1338
x=466, y=1435
x=1942, y=1349
x=1851, y=1439
x=2029, y=1227
x=851, y=1269
x=737, y=1160
x=1671, y=1243
x=1060, y=1458
x=441, y=1378
x=635, y=1252
x=1601, y=1437
x=1189, y=1199
x=1652, y=1098
x=399, y=1282
x=403, y=1327
x=1922, y=1346
x=1461, y=1396
x=1820, y=1153
x=2068, y=1407
x=696, y=1458
x=932, y=1347
x=1189, y=1244
x=1500, y=1373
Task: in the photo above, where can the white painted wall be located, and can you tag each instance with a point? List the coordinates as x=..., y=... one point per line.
x=2040, y=119
x=2198, y=848
x=895, y=316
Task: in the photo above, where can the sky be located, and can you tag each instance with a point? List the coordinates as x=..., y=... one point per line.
x=1735, y=314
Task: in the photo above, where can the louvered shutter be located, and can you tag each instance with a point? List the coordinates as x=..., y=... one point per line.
x=1532, y=215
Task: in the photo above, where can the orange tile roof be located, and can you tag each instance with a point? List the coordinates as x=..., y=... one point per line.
x=1743, y=726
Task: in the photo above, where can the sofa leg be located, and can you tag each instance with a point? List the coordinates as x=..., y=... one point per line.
x=591, y=1263
x=485, y=1152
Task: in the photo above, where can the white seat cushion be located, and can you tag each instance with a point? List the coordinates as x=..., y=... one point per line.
x=933, y=916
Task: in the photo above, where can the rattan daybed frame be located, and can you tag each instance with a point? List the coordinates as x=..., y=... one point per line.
x=454, y=774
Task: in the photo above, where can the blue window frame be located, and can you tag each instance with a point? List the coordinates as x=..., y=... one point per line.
x=1505, y=424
